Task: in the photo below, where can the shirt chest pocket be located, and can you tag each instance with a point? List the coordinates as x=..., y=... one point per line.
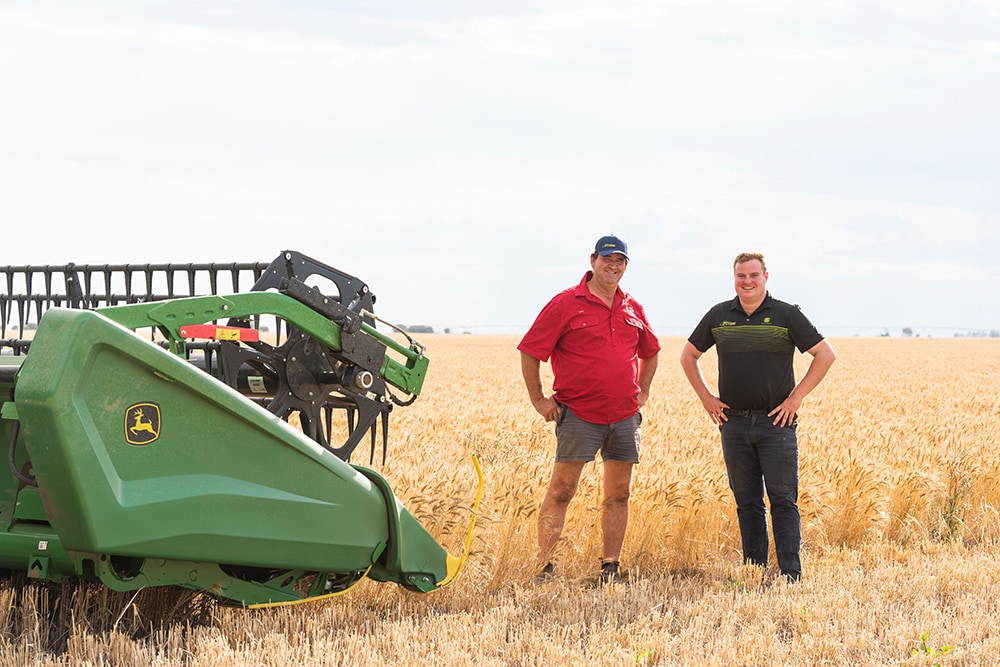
x=634, y=323
x=588, y=335
x=628, y=331
x=585, y=322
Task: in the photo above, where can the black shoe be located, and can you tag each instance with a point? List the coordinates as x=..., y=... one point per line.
x=609, y=573
x=546, y=574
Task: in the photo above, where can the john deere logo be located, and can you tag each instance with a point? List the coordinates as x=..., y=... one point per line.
x=142, y=423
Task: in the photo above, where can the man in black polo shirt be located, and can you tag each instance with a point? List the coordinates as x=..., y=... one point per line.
x=756, y=337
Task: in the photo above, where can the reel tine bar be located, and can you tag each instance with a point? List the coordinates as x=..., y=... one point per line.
x=89, y=286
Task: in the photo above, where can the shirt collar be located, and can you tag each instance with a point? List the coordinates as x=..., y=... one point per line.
x=584, y=291
x=766, y=303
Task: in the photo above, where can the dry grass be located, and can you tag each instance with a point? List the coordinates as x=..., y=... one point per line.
x=900, y=464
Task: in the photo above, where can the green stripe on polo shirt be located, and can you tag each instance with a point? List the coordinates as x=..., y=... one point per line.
x=752, y=338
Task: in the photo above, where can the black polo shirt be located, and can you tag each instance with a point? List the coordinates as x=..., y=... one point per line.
x=756, y=351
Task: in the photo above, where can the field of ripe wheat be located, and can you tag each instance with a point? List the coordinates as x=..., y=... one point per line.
x=900, y=502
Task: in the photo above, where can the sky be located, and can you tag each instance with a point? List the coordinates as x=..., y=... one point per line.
x=462, y=157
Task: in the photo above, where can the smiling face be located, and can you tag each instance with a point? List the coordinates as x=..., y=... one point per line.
x=608, y=270
x=751, y=283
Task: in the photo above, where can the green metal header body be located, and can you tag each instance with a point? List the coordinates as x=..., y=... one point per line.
x=152, y=472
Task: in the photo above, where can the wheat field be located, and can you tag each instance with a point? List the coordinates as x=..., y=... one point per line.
x=900, y=502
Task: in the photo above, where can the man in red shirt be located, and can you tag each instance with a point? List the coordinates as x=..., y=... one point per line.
x=603, y=354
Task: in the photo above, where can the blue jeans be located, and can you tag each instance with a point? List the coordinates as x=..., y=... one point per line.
x=759, y=456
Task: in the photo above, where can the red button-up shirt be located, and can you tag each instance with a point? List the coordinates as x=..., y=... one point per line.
x=595, y=351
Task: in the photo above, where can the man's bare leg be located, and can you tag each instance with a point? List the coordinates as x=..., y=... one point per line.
x=552, y=514
x=614, y=514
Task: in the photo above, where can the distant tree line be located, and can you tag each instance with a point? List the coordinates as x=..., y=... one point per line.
x=981, y=333
x=417, y=328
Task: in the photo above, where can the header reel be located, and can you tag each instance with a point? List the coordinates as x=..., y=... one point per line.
x=337, y=384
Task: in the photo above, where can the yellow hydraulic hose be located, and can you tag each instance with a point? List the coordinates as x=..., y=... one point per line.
x=455, y=564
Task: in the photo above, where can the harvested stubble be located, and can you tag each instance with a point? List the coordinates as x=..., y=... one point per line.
x=900, y=464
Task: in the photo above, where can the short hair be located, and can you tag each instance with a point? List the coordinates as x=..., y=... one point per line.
x=749, y=257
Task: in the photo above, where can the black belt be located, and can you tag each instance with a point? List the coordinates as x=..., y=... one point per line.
x=745, y=413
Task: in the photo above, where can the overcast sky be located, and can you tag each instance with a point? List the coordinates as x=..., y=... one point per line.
x=462, y=157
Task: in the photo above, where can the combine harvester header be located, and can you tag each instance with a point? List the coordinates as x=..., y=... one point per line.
x=149, y=442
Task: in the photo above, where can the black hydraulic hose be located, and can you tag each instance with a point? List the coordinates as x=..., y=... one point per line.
x=30, y=481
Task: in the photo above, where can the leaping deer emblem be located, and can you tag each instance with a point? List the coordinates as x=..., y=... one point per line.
x=143, y=429
x=140, y=425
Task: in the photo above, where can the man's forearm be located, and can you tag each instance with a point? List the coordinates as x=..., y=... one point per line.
x=531, y=370
x=647, y=369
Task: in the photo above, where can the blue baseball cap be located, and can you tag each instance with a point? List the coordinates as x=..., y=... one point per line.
x=609, y=245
